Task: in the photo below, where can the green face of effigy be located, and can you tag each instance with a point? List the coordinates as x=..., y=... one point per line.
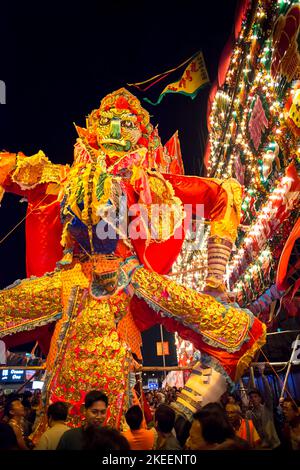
x=118, y=131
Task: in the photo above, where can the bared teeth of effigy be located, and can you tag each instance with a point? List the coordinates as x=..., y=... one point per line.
x=114, y=141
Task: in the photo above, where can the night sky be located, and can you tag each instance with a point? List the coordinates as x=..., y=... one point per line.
x=57, y=64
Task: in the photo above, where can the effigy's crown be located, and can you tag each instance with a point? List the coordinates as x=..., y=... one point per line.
x=121, y=99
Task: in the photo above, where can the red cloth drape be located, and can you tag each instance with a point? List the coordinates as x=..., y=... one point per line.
x=43, y=229
x=282, y=270
x=43, y=234
x=191, y=190
x=42, y=334
x=194, y=190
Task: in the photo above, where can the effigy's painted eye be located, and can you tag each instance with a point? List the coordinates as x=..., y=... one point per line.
x=128, y=124
x=104, y=121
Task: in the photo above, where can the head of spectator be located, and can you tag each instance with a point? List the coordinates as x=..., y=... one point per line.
x=95, y=404
x=134, y=417
x=37, y=396
x=164, y=419
x=234, y=415
x=27, y=402
x=255, y=397
x=104, y=439
x=289, y=409
x=231, y=399
x=182, y=428
x=27, y=397
x=57, y=413
x=210, y=426
x=14, y=409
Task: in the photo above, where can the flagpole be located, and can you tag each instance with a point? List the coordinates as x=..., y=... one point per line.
x=163, y=349
x=164, y=73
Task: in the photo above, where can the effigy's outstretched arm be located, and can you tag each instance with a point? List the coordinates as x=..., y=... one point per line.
x=20, y=174
x=40, y=182
x=221, y=202
x=227, y=336
x=30, y=303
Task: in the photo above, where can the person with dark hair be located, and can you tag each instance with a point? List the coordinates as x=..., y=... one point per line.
x=164, y=423
x=57, y=414
x=182, y=428
x=290, y=412
x=36, y=403
x=30, y=413
x=243, y=427
x=95, y=405
x=104, y=438
x=138, y=437
x=289, y=409
x=14, y=411
x=211, y=430
x=261, y=412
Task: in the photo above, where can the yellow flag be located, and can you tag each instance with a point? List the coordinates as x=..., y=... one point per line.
x=193, y=78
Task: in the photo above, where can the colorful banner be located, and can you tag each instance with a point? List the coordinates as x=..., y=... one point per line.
x=194, y=77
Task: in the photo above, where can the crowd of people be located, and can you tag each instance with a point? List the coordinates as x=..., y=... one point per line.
x=165, y=395
x=242, y=421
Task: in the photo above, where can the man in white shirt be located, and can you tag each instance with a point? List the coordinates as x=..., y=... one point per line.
x=57, y=414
